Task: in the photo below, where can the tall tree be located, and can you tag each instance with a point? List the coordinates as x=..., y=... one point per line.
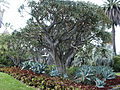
x=4, y=54
x=4, y=4
x=1, y=15
x=17, y=48
x=65, y=25
x=112, y=10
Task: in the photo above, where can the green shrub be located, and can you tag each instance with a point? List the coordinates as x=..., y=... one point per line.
x=116, y=65
x=49, y=68
x=71, y=71
x=4, y=59
x=1, y=65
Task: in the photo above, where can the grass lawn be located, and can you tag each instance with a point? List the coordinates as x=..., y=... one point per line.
x=9, y=83
x=117, y=74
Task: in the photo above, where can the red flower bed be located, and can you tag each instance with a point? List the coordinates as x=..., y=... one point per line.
x=115, y=81
x=44, y=82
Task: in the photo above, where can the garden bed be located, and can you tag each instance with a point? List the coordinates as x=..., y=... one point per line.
x=45, y=82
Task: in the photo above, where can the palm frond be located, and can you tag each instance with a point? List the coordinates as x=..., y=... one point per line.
x=112, y=10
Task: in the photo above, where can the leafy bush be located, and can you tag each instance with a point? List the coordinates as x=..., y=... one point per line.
x=35, y=67
x=4, y=59
x=94, y=75
x=49, y=68
x=116, y=65
x=92, y=54
x=71, y=71
x=1, y=65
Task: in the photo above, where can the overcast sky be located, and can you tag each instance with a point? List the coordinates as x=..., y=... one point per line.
x=13, y=16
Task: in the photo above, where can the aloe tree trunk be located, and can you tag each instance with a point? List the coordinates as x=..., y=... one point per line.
x=113, y=41
x=60, y=65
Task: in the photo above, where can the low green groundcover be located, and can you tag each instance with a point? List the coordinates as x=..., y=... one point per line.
x=117, y=74
x=7, y=82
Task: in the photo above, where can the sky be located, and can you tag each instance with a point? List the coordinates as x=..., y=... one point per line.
x=13, y=17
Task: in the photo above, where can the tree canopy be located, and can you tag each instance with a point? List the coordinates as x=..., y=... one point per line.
x=62, y=26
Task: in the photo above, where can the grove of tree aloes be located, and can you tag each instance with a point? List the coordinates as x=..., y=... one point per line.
x=62, y=26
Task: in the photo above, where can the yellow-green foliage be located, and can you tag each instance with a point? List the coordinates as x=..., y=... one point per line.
x=116, y=65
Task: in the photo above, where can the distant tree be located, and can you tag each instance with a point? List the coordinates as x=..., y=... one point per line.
x=1, y=16
x=65, y=25
x=30, y=37
x=4, y=56
x=112, y=10
x=17, y=48
x=4, y=4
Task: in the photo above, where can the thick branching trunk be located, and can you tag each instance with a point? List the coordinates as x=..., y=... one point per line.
x=69, y=60
x=113, y=41
x=60, y=65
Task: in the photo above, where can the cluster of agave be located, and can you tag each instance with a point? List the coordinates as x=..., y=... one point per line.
x=39, y=68
x=85, y=74
x=94, y=75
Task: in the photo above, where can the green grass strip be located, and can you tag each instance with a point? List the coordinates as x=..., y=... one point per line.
x=7, y=82
x=117, y=74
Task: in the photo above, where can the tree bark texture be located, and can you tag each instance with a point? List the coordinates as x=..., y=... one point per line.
x=60, y=65
x=113, y=41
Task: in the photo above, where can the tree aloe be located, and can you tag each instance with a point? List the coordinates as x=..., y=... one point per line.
x=65, y=25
